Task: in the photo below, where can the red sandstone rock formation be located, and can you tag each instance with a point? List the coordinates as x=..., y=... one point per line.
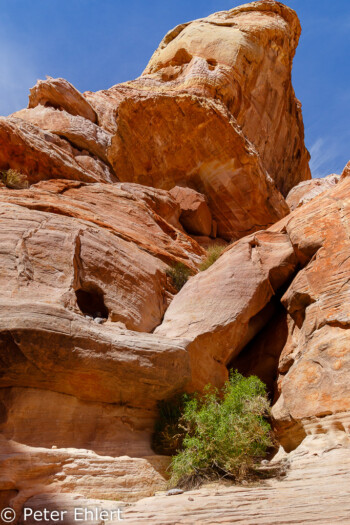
x=91, y=332
x=307, y=190
x=219, y=114
x=222, y=309
x=195, y=214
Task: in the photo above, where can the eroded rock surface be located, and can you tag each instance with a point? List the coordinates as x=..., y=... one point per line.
x=83, y=280
x=242, y=57
x=218, y=109
x=291, y=500
x=92, y=333
x=195, y=214
x=43, y=155
x=59, y=93
x=307, y=190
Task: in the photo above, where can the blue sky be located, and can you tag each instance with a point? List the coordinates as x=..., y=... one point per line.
x=97, y=43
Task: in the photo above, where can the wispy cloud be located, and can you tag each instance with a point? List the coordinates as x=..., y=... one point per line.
x=324, y=157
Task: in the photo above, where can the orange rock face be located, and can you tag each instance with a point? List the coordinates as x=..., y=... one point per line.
x=214, y=158
x=195, y=214
x=308, y=190
x=218, y=112
x=60, y=94
x=302, y=264
x=83, y=280
x=79, y=131
x=43, y=155
x=242, y=57
x=92, y=333
x=315, y=361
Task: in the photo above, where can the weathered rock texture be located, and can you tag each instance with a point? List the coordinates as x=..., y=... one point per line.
x=291, y=500
x=60, y=94
x=222, y=309
x=243, y=57
x=307, y=190
x=213, y=157
x=80, y=132
x=305, y=259
x=92, y=333
x=43, y=155
x=195, y=214
x=218, y=112
x=83, y=279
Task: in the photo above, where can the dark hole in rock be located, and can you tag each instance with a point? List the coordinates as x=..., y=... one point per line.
x=91, y=303
x=212, y=63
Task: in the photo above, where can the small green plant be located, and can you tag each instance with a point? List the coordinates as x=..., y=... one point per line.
x=227, y=433
x=179, y=274
x=213, y=253
x=14, y=179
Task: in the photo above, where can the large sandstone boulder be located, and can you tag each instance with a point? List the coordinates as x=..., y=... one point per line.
x=243, y=57
x=92, y=333
x=195, y=214
x=309, y=189
x=302, y=264
x=221, y=309
x=43, y=155
x=215, y=110
x=79, y=131
x=59, y=93
x=213, y=157
x=83, y=280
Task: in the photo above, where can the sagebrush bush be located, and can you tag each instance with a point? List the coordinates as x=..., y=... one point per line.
x=14, y=179
x=213, y=253
x=226, y=433
x=179, y=274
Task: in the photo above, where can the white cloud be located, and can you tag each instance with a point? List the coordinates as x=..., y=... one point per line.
x=324, y=157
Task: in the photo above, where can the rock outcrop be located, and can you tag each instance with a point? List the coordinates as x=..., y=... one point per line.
x=301, y=263
x=308, y=190
x=290, y=500
x=60, y=94
x=243, y=58
x=123, y=183
x=213, y=157
x=218, y=109
x=195, y=214
x=83, y=280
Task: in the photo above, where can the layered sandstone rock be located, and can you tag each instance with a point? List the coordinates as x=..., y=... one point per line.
x=28, y=471
x=213, y=157
x=79, y=131
x=290, y=500
x=43, y=155
x=91, y=333
x=308, y=190
x=242, y=57
x=59, y=93
x=315, y=360
x=84, y=277
x=218, y=112
x=195, y=214
x=302, y=263
x=221, y=309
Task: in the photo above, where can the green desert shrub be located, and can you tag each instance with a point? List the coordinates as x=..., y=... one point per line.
x=179, y=274
x=226, y=433
x=213, y=253
x=14, y=179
